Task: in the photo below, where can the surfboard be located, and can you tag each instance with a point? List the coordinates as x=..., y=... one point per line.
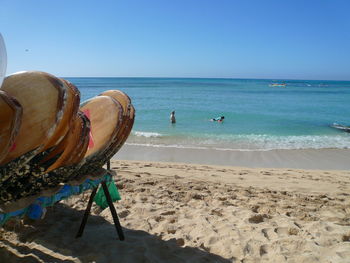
x=43, y=99
x=341, y=127
x=10, y=121
x=125, y=102
x=105, y=115
x=74, y=145
x=93, y=166
x=69, y=113
x=48, y=105
x=37, y=183
x=128, y=120
x=106, y=120
x=90, y=141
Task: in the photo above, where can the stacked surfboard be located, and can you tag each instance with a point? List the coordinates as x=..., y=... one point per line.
x=47, y=139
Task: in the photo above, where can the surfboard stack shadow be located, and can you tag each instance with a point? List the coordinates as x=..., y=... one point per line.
x=47, y=139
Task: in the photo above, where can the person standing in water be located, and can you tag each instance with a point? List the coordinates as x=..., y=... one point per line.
x=172, y=117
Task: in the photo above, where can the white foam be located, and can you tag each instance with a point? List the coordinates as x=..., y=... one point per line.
x=245, y=142
x=146, y=134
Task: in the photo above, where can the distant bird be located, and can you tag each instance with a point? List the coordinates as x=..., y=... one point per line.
x=26, y=50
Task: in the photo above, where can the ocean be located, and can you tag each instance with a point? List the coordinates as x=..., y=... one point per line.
x=257, y=115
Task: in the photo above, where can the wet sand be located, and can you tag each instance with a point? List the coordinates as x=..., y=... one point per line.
x=329, y=159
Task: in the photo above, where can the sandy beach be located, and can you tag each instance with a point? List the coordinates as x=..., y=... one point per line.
x=224, y=125
x=326, y=159
x=179, y=212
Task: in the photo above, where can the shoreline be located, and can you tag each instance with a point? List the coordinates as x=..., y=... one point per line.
x=319, y=159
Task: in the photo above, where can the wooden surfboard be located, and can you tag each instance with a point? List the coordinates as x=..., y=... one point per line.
x=36, y=183
x=42, y=97
x=74, y=145
x=10, y=121
x=128, y=120
x=93, y=167
x=125, y=102
x=105, y=115
x=69, y=113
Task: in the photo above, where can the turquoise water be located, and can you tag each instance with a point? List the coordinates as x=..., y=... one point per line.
x=257, y=116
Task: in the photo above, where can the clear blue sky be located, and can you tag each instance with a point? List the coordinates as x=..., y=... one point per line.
x=297, y=39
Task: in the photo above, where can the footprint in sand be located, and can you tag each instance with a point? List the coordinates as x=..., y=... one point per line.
x=149, y=183
x=172, y=212
x=124, y=213
x=263, y=250
x=171, y=230
x=264, y=231
x=269, y=233
x=281, y=231
x=255, y=208
x=346, y=238
x=158, y=218
x=284, y=231
x=256, y=219
x=217, y=212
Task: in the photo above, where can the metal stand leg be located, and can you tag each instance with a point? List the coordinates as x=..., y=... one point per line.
x=113, y=211
x=111, y=207
x=87, y=213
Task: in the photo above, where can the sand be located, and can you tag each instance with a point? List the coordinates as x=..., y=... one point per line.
x=177, y=212
x=327, y=159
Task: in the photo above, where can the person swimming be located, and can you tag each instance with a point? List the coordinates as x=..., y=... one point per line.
x=172, y=117
x=218, y=119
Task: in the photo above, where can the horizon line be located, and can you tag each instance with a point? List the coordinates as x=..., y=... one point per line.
x=143, y=77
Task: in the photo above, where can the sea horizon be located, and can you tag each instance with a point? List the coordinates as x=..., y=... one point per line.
x=226, y=78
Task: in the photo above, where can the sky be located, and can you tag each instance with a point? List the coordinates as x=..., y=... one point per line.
x=280, y=39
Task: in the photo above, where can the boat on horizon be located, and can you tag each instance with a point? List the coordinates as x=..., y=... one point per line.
x=278, y=85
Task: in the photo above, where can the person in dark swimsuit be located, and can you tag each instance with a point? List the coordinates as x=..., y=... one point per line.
x=218, y=119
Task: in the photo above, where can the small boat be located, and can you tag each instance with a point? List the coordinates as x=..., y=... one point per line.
x=278, y=85
x=341, y=127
